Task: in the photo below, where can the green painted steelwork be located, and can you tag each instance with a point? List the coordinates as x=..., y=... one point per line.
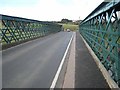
x=16, y=29
x=101, y=30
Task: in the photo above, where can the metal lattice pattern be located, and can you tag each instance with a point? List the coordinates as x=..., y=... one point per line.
x=102, y=32
x=16, y=29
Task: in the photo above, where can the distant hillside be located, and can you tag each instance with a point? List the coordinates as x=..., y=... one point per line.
x=67, y=21
x=72, y=27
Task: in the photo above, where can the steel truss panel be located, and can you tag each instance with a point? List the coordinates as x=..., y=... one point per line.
x=16, y=29
x=101, y=29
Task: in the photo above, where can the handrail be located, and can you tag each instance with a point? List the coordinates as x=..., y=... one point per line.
x=17, y=29
x=101, y=30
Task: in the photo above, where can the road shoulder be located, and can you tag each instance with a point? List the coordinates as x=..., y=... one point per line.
x=69, y=80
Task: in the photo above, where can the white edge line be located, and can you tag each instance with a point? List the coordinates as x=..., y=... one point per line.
x=60, y=66
x=105, y=73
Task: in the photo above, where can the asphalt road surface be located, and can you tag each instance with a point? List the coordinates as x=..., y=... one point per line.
x=35, y=63
x=87, y=73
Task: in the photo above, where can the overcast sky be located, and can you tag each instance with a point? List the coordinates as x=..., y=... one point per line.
x=48, y=10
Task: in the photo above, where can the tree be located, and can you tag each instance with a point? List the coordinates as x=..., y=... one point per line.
x=65, y=20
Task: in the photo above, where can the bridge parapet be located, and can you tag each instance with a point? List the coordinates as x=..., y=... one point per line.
x=101, y=30
x=16, y=29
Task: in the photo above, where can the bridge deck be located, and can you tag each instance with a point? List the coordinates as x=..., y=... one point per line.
x=87, y=74
x=34, y=64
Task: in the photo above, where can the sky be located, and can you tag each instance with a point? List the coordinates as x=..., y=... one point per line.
x=49, y=10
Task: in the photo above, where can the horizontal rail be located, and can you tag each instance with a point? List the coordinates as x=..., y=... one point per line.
x=101, y=30
x=104, y=6
x=16, y=29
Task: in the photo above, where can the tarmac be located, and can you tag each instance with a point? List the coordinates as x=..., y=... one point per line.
x=82, y=71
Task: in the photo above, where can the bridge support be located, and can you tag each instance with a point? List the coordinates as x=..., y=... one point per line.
x=16, y=29
x=101, y=30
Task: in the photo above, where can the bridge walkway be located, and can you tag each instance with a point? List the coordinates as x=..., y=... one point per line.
x=87, y=74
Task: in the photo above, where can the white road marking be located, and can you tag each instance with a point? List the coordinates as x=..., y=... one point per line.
x=60, y=66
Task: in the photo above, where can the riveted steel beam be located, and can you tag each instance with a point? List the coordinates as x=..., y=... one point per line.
x=101, y=29
x=17, y=29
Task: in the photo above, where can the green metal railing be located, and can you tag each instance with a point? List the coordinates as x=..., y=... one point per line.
x=101, y=30
x=16, y=29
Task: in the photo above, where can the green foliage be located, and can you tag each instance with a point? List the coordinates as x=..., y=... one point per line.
x=65, y=21
x=72, y=27
x=0, y=24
